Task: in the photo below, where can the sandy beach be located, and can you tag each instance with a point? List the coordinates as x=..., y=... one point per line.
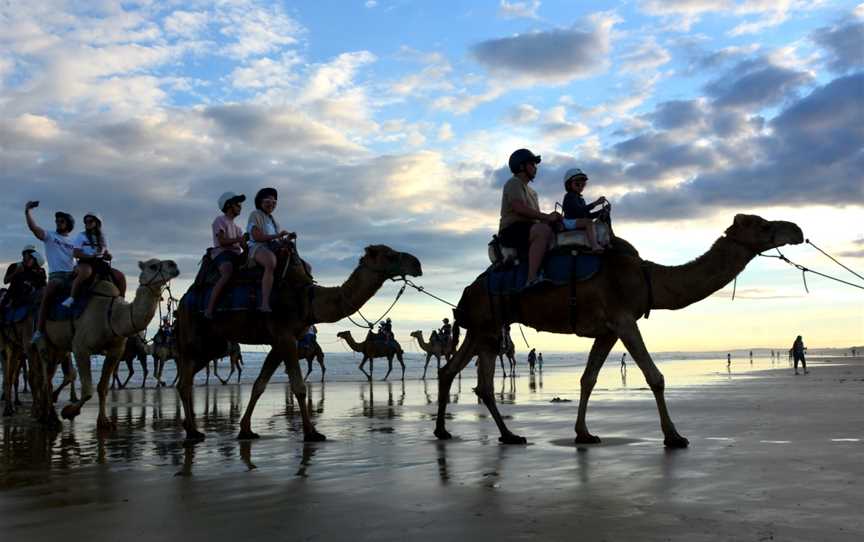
x=773, y=456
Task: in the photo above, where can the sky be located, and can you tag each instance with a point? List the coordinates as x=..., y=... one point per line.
x=390, y=122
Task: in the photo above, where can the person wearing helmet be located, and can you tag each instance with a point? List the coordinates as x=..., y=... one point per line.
x=227, y=251
x=91, y=251
x=263, y=231
x=24, y=278
x=385, y=330
x=58, y=247
x=522, y=225
x=577, y=213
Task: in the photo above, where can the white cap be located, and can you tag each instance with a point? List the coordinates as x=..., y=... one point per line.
x=40, y=260
x=572, y=172
x=94, y=215
x=28, y=248
x=223, y=199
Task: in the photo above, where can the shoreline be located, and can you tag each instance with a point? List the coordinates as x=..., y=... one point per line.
x=771, y=456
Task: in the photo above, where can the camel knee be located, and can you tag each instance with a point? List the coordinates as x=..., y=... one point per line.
x=656, y=382
x=588, y=381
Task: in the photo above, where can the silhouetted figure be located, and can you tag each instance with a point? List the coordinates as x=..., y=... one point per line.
x=624, y=363
x=532, y=360
x=798, y=350
x=751, y=357
x=540, y=362
x=728, y=360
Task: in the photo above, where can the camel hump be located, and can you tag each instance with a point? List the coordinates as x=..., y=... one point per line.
x=105, y=288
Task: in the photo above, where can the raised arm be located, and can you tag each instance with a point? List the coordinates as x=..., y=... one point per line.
x=31, y=223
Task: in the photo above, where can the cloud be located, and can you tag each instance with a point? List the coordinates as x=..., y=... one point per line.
x=445, y=132
x=685, y=13
x=647, y=55
x=844, y=45
x=556, y=127
x=513, y=10
x=522, y=114
x=756, y=83
x=857, y=250
x=550, y=57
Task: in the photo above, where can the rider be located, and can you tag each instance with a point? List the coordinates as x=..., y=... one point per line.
x=263, y=231
x=91, y=250
x=522, y=225
x=385, y=330
x=24, y=277
x=445, y=331
x=577, y=213
x=58, y=252
x=227, y=251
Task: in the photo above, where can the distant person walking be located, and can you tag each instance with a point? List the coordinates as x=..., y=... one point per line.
x=532, y=360
x=798, y=349
x=751, y=357
x=728, y=360
x=540, y=362
x=624, y=363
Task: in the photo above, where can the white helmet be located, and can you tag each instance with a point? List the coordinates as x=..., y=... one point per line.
x=40, y=260
x=94, y=215
x=228, y=196
x=570, y=173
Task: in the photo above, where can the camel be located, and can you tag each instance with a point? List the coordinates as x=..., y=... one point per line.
x=608, y=306
x=235, y=357
x=434, y=347
x=310, y=351
x=103, y=327
x=136, y=348
x=164, y=349
x=199, y=339
x=375, y=348
x=507, y=349
x=17, y=351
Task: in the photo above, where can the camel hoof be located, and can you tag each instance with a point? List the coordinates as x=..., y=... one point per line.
x=69, y=412
x=510, y=438
x=443, y=434
x=247, y=434
x=587, y=438
x=676, y=441
x=314, y=436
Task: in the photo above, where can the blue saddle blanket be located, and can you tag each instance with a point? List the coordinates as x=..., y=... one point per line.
x=58, y=313
x=559, y=268
x=13, y=315
x=237, y=297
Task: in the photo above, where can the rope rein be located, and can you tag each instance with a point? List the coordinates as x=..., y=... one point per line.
x=804, y=270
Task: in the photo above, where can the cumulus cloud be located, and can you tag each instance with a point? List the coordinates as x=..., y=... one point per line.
x=556, y=126
x=857, y=250
x=756, y=83
x=522, y=114
x=843, y=44
x=552, y=57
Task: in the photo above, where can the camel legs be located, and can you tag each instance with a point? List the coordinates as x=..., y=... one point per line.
x=69, y=375
x=308, y=367
x=109, y=366
x=82, y=360
x=10, y=379
x=599, y=351
x=298, y=386
x=428, y=358
x=402, y=363
x=486, y=392
x=115, y=378
x=144, y=369
x=632, y=339
x=321, y=364
x=186, y=374
x=271, y=362
x=363, y=364
x=500, y=357
x=445, y=379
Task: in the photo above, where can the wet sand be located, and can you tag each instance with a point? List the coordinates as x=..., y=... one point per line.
x=773, y=457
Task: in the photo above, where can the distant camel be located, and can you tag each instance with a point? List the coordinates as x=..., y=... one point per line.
x=372, y=348
x=235, y=356
x=136, y=348
x=435, y=347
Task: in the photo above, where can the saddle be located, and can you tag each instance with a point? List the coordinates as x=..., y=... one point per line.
x=98, y=288
x=561, y=266
x=575, y=240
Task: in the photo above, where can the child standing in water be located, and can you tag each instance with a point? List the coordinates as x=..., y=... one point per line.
x=577, y=213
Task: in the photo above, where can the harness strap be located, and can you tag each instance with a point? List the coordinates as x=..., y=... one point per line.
x=647, y=274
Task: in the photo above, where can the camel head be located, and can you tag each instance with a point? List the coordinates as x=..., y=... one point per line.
x=344, y=335
x=417, y=334
x=759, y=235
x=155, y=272
x=391, y=263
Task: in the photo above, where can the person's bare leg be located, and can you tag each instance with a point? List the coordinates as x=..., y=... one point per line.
x=225, y=271
x=267, y=260
x=539, y=241
x=119, y=281
x=591, y=232
x=82, y=272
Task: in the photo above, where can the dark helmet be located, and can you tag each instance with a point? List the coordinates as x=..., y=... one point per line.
x=67, y=217
x=265, y=193
x=521, y=157
x=446, y=320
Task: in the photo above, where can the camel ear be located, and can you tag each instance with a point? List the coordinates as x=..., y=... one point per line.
x=373, y=251
x=140, y=265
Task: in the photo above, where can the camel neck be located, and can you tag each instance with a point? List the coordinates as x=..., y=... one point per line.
x=675, y=287
x=331, y=304
x=135, y=319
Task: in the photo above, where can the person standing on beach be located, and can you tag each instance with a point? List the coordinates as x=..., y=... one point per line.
x=798, y=349
x=751, y=357
x=728, y=360
x=532, y=359
x=540, y=362
x=624, y=363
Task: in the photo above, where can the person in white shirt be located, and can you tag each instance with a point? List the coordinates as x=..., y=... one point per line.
x=91, y=251
x=58, y=253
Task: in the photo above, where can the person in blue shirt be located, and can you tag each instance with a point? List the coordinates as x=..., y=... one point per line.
x=577, y=213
